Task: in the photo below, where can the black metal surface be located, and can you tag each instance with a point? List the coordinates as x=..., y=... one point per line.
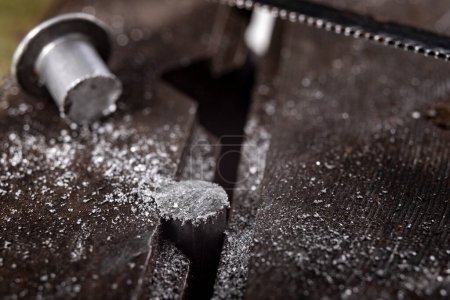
x=336, y=137
x=64, y=231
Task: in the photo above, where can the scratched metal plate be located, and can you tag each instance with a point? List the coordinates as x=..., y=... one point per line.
x=354, y=200
x=356, y=187
x=76, y=219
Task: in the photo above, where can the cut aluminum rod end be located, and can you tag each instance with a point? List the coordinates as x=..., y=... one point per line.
x=66, y=57
x=194, y=217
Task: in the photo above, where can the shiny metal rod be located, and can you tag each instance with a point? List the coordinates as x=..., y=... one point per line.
x=78, y=79
x=65, y=57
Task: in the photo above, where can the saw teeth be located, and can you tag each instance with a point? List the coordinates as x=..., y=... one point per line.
x=292, y=16
x=283, y=14
x=296, y=17
x=302, y=18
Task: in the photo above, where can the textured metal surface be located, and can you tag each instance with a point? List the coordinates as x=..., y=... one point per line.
x=352, y=24
x=354, y=200
x=77, y=220
x=169, y=277
x=75, y=217
x=351, y=200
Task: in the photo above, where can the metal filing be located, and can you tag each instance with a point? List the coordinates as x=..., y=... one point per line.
x=65, y=56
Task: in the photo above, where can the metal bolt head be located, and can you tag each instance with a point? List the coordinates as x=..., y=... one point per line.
x=65, y=57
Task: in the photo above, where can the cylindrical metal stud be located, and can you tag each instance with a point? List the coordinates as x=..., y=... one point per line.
x=66, y=56
x=194, y=218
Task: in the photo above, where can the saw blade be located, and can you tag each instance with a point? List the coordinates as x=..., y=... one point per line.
x=352, y=24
